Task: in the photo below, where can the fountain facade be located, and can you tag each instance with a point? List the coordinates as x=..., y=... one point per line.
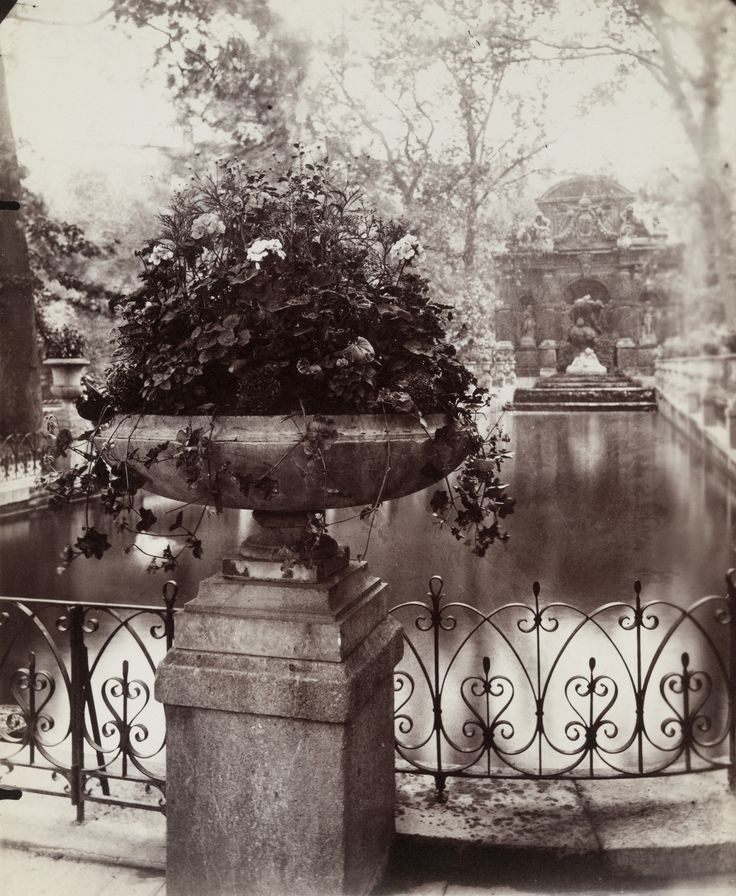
x=587, y=255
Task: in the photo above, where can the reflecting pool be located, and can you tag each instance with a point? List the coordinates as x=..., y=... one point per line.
x=602, y=499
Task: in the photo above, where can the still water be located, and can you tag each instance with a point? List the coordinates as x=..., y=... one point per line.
x=602, y=499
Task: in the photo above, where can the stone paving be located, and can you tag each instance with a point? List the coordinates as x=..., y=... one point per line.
x=673, y=836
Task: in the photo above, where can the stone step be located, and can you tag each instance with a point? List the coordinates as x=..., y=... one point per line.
x=585, y=406
x=601, y=395
x=556, y=381
x=610, y=389
x=584, y=392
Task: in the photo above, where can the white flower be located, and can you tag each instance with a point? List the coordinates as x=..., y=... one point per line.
x=160, y=253
x=259, y=249
x=407, y=248
x=207, y=224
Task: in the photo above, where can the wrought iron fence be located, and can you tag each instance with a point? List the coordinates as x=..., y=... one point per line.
x=22, y=455
x=549, y=691
x=523, y=690
x=77, y=711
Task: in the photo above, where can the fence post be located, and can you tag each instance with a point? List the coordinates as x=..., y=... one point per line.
x=32, y=706
x=731, y=585
x=170, y=593
x=638, y=621
x=89, y=702
x=435, y=593
x=76, y=648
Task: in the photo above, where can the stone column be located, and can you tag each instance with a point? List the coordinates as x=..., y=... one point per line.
x=628, y=310
x=547, y=310
x=626, y=359
x=280, y=747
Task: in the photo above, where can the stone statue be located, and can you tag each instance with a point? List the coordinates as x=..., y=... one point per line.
x=647, y=335
x=542, y=233
x=537, y=235
x=588, y=309
x=586, y=364
x=528, y=329
x=633, y=229
x=581, y=335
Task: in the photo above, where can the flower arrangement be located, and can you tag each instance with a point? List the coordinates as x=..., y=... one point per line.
x=64, y=342
x=282, y=294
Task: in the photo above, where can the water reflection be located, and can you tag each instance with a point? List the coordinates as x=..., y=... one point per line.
x=602, y=499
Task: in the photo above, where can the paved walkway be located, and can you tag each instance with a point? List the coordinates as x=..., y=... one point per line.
x=674, y=836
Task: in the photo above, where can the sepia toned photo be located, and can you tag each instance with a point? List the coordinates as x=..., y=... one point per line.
x=367, y=447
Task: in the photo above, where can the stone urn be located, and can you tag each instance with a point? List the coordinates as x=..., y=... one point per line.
x=281, y=653
x=285, y=468
x=66, y=376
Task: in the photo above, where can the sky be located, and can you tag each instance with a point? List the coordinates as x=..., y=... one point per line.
x=92, y=117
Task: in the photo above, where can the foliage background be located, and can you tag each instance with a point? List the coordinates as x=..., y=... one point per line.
x=456, y=113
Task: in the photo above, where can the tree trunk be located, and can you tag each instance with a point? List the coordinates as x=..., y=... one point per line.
x=20, y=393
x=471, y=227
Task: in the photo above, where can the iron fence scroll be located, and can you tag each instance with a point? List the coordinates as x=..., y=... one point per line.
x=77, y=715
x=529, y=690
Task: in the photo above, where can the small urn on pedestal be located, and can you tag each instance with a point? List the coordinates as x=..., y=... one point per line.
x=66, y=385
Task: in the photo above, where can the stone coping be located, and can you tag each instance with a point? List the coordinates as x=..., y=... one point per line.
x=650, y=833
x=652, y=827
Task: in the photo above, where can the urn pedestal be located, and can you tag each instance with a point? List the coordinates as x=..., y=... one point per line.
x=527, y=361
x=548, y=358
x=279, y=713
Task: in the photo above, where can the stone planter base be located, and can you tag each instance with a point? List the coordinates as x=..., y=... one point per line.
x=279, y=709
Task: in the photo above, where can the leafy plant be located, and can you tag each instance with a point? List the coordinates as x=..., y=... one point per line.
x=274, y=294
x=63, y=342
x=283, y=294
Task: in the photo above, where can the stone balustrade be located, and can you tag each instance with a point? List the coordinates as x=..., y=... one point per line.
x=703, y=387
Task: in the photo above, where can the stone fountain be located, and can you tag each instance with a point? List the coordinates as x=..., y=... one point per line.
x=585, y=385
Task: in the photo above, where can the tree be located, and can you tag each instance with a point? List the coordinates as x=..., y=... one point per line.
x=689, y=53
x=234, y=72
x=439, y=104
x=20, y=397
x=440, y=107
